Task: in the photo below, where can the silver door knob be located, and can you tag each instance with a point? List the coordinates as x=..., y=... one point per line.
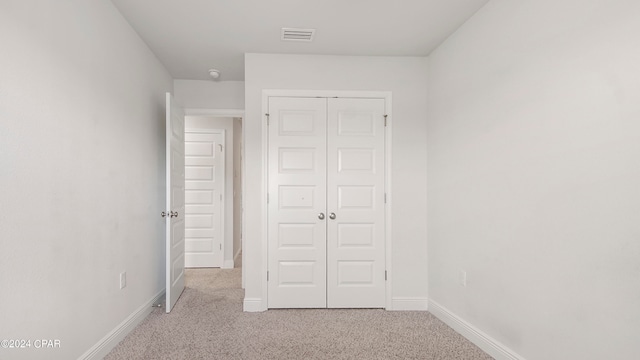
x=321, y=216
x=332, y=216
x=164, y=214
x=173, y=214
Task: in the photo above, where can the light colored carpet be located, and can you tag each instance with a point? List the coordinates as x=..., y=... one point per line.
x=208, y=323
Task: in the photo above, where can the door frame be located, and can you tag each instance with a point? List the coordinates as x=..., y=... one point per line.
x=234, y=113
x=264, y=240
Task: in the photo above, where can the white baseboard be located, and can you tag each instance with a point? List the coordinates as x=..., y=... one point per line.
x=228, y=264
x=253, y=305
x=409, y=304
x=485, y=342
x=107, y=343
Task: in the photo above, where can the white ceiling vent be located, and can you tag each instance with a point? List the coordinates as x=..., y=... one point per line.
x=291, y=34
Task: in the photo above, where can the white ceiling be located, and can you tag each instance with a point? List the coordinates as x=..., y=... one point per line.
x=192, y=36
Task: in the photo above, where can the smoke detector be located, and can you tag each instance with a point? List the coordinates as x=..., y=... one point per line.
x=214, y=73
x=293, y=34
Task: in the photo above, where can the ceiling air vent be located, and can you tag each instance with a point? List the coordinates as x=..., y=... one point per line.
x=291, y=34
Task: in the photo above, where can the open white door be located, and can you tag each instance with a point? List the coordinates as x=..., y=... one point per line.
x=175, y=202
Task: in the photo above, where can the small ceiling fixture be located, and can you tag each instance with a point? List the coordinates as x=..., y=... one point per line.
x=292, y=34
x=214, y=73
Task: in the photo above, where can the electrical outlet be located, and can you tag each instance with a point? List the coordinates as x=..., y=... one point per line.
x=123, y=280
x=463, y=278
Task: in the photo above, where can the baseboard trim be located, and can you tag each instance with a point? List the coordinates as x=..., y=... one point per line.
x=107, y=343
x=228, y=264
x=409, y=304
x=253, y=305
x=485, y=342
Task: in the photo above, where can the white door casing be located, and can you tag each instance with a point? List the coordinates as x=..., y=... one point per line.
x=356, y=196
x=175, y=202
x=297, y=197
x=204, y=197
x=328, y=164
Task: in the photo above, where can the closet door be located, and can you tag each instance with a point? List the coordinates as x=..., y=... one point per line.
x=297, y=203
x=355, y=203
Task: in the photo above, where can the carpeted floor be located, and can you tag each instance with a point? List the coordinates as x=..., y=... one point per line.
x=208, y=323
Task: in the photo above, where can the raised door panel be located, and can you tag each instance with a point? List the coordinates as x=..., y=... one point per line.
x=297, y=194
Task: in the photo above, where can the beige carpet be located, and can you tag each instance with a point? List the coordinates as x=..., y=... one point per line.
x=208, y=323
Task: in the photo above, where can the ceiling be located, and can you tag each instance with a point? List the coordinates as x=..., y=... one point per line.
x=192, y=36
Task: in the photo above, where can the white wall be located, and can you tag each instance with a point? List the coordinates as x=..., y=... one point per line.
x=533, y=173
x=207, y=122
x=406, y=78
x=199, y=94
x=81, y=174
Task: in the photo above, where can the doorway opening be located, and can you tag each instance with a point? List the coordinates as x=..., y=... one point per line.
x=213, y=191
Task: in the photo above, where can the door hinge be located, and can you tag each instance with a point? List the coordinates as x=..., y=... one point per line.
x=267, y=198
x=220, y=197
x=385, y=275
x=385, y=198
x=220, y=246
x=385, y=120
x=267, y=115
x=267, y=276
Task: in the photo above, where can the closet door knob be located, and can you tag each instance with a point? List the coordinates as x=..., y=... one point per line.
x=332, y=216
x=321, y=216
x=164, y=214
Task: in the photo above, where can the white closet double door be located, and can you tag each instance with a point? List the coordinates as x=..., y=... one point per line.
x=326, y=202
